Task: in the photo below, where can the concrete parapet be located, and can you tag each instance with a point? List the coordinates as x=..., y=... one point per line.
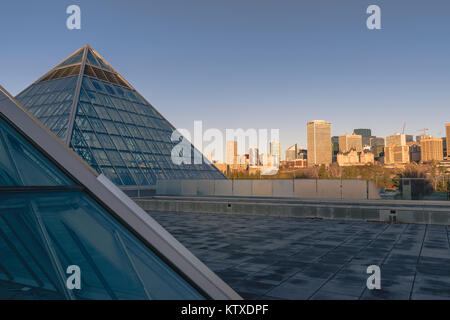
x=382, y=211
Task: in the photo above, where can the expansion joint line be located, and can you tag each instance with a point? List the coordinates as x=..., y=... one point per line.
x=418, y=259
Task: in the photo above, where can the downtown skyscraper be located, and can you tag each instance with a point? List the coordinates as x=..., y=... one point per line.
x=447, y=134
x=319, y=142
x=348, y=142
x=231, y=152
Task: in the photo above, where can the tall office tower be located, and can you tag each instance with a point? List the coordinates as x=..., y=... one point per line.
x=275, y=150
x=396, y=150
x=377, y=146
x=253, y=156
x=431, y=149
x=302, y=153
x=396, y=154
x=291, y=153
x=334, y=147
x=319, y=142
x=414, y=152
x=62, y=213
x=365, y=134
x=422, y=136
x=447, y=131
x=231, y=152
x=396, y=139
x=268, y=160
x=96, y=112
x=444, y=145
x=348, y=142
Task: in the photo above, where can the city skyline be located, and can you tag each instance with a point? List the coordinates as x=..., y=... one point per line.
x=353, y=142
x=314, y=60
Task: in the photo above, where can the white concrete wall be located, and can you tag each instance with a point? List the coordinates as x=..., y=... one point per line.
x=305, y=188
x=242, y=188
x=205, y=187
x=298, y=188
x=262, y=188
x=188, y=187
x=354, y=189
x=283, y=188
x=223, y=187
x=373, y=191
x=328, y=189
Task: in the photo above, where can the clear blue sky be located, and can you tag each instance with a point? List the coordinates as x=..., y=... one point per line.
x=253, y=64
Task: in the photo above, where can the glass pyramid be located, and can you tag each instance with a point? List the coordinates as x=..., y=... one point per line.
x=55, y=212
x=97, y=113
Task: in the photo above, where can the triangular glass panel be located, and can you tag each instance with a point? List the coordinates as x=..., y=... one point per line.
x=90, y=59
x=102, y=62
x=26, y=269
x=21, y=165
x=76, y=58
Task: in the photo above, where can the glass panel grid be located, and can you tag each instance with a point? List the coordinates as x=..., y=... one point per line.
x=122, y=135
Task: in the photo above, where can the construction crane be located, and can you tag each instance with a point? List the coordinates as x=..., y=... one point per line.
x=424, y=130
x=404, y=126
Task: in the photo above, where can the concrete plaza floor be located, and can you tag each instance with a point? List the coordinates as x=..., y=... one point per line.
x=291, y=258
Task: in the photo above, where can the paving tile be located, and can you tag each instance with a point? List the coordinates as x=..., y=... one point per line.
x=319, y=270
x=398, y=288
x=432, y=286
x=296, y=289
x=325, y=295
x=345, y=287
